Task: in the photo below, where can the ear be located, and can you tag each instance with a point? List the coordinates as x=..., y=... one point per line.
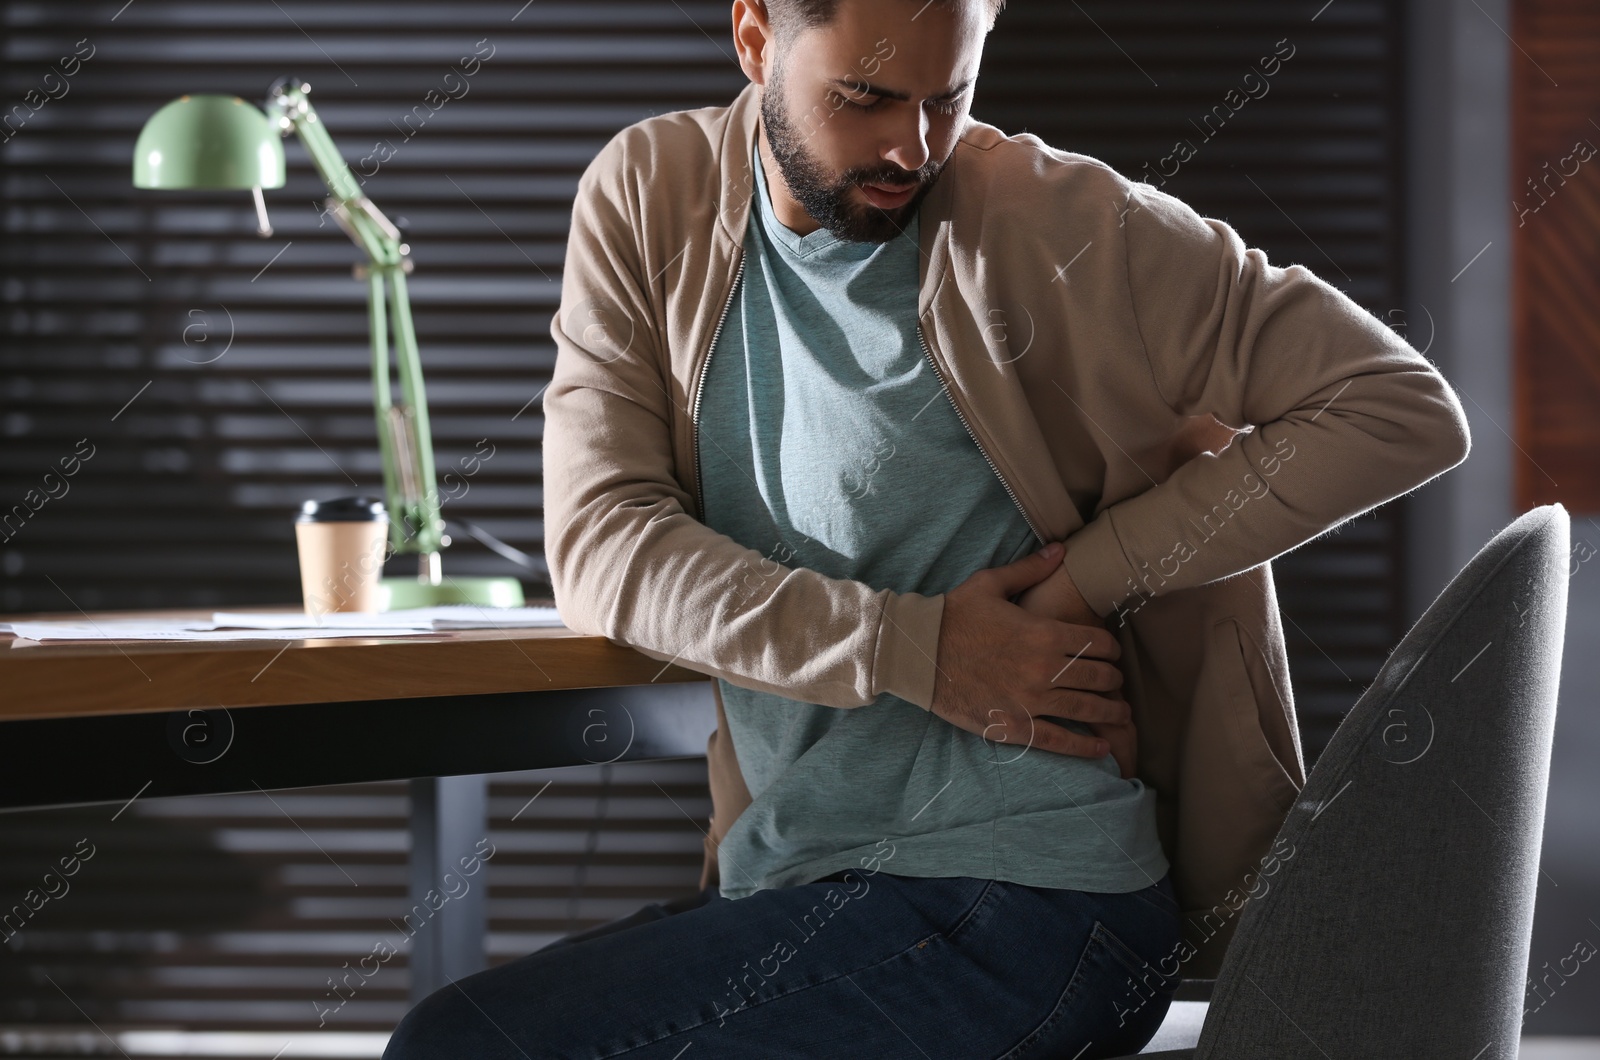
x=752, y=38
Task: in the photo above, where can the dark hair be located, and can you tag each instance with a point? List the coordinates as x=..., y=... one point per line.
x=785, y=15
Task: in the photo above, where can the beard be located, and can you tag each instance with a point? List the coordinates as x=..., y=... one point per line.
x=827, y=198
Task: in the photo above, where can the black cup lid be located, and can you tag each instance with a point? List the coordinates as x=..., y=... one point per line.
x=343, y=510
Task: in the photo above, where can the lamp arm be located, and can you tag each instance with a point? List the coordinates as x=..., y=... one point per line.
x=404, y=436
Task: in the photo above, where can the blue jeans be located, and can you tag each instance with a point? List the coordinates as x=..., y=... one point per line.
x=873, y=966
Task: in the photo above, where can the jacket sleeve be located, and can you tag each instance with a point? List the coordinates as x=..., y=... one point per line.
x=1345, y=414
x=627, y=558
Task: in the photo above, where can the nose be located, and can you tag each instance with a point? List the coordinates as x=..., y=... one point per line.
x=908, y=148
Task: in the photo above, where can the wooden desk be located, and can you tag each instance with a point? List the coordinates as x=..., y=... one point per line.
x=108, y=722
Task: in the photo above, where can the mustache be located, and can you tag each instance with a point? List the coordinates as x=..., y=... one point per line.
x=925, y=175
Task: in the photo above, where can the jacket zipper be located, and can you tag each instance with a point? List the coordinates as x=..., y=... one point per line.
x=700, y=386
x=945, y=385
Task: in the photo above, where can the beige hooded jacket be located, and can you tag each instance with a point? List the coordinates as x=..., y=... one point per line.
x=1084, y=325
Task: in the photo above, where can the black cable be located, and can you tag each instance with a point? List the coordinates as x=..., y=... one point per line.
x=494, y=544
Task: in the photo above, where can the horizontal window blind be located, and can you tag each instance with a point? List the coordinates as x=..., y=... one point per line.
x=225, y=912
x=205, y=381
x=218, y=378
x=221, y=378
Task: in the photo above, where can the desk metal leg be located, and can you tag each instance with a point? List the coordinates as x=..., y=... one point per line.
x=110, y=759
x=449, y=821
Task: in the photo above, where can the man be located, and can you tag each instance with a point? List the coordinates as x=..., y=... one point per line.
x=835, y=361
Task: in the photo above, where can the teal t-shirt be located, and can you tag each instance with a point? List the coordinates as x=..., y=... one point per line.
x=827, y=441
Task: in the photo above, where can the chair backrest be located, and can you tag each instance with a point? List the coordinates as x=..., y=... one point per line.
x=1398, y=920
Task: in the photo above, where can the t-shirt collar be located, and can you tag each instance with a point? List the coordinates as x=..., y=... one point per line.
x=812, y=244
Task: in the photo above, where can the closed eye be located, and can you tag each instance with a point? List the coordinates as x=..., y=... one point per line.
x=846, y=101
x=945, y=106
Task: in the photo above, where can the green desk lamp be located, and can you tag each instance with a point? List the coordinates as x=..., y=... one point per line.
x=215, y=141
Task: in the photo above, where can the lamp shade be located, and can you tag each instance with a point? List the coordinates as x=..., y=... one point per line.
x=208, y=141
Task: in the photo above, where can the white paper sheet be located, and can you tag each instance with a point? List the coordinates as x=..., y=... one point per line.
x=446, y=616
x=113, y=630
x=278, y=626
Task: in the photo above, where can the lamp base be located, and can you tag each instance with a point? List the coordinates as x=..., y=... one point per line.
x=397, y=594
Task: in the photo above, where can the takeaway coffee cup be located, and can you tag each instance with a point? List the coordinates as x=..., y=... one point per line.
x=342, y=543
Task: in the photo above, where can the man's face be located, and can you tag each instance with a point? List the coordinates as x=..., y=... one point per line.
x=862, y=114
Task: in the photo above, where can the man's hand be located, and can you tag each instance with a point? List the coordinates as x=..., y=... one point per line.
x=1057, y=597
x=1000, y=667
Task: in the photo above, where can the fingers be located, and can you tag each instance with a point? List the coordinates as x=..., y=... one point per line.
x=1093, y=642
x=991, y=651
x=1082, y=674
x=1041, y=637
x=1011, y=579
x=1086, y=707
x=1124, y=740
x=1048, y=736
x=1043, y=734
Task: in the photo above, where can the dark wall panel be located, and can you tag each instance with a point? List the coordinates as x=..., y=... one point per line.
x=1283, y=119
x=220, y=378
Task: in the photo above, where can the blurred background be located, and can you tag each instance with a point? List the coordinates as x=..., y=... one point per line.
x=1419, y=155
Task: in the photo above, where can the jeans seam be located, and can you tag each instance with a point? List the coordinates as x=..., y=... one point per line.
x=1068, y=992
x=1099, y=936
x=1125, y=954
x=786, y=993
x=1166, y=905
x=983, y=896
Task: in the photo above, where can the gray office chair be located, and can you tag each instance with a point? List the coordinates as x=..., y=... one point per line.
x=1399, y=926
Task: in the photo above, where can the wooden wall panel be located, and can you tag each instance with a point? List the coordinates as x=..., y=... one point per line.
x=1555, y=190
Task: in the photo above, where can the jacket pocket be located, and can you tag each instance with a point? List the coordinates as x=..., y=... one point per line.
x=1262, y=765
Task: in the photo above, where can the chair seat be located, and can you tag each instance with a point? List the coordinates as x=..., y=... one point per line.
x=1180, y=1030
x=1178, y=1034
